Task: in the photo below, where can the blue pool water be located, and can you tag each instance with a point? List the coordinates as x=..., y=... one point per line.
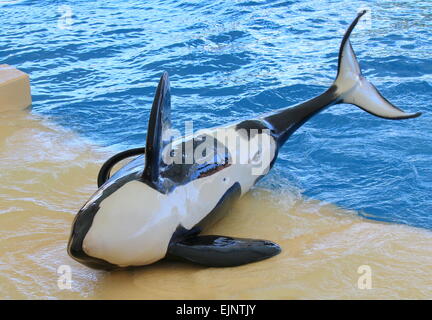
x=94, y=66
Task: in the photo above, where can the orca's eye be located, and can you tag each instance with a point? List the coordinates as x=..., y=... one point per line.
x=256, y=157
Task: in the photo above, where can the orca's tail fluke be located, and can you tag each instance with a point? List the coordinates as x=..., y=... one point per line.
x=353, y=88
x=349, y=87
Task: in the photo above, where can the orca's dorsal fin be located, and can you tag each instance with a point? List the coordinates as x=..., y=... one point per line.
x=159, y=126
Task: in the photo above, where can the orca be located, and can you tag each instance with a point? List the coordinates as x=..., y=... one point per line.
x=151, y=209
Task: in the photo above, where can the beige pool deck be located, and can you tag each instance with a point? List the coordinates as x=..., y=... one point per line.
x=15, y=93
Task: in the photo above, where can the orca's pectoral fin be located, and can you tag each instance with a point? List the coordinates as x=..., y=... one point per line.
x=219, y=251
